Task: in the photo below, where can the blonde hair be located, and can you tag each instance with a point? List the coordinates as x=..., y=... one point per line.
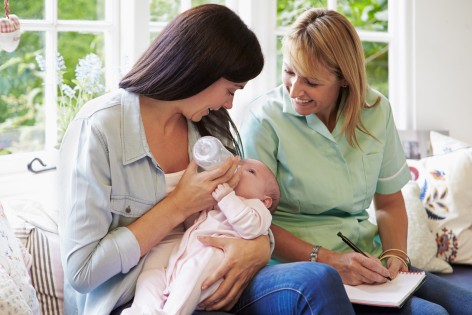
x=325, y=38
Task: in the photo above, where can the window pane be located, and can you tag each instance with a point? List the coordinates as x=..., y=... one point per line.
x=28, y=9
x=81, y=9
x=163, y=10
x=289, y=10
x=74, y=46
x=370, y=15
x=82, y=76
x=21, y=97
x=377, y=66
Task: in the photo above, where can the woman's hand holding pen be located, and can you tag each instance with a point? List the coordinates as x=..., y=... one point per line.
x=358, y=250
x=355, y=269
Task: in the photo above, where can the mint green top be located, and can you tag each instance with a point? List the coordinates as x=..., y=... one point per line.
x=326, y=184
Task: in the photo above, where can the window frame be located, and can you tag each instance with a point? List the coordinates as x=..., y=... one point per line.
x=52, y=26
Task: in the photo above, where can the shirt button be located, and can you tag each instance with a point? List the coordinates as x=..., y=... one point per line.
x=128, y=209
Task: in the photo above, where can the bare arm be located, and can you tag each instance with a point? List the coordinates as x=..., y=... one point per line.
x=353, y=267
x=393, y=226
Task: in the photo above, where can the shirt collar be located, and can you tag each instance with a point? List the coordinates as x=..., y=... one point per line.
x=133, y=137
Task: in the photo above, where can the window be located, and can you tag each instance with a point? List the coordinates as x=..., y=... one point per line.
x=30, y=86
x=118, y=31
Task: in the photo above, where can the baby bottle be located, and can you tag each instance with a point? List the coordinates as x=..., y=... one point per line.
x=209, y=152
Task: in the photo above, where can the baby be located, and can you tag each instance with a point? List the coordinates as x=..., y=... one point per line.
x=244, y=212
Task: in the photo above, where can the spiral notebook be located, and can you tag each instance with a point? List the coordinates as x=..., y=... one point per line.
x=389, y=294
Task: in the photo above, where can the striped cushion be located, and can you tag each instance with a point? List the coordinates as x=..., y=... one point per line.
x=46, y=271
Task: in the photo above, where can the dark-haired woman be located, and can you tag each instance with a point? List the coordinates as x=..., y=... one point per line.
x=130, y=182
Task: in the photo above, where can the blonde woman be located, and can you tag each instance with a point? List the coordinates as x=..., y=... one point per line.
x=332, y=142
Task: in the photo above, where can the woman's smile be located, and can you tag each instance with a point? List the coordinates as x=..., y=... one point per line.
x=301, y=102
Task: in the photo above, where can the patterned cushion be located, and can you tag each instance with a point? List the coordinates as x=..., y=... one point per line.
x=12, y=300
x=17, y=292
x=421, y=241
x=445, y=184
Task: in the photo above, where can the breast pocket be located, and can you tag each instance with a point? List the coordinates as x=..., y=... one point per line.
x=129, y=207
x=372, y=163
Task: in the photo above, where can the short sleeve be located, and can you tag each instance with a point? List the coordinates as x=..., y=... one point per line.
x=394, y=171
x=259, y=140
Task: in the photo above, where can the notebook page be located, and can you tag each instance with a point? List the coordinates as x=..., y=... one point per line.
x=391, y=294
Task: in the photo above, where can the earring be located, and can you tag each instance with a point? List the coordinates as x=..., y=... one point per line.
x=344, y=86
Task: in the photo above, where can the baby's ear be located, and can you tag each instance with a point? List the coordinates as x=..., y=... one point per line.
x=267, y=201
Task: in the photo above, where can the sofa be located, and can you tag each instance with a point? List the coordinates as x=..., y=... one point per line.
x=436, y=199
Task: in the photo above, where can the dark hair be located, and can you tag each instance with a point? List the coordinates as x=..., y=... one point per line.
x=197, y=48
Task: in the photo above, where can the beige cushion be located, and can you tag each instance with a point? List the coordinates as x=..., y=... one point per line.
x=421, y=241
x=446, y=192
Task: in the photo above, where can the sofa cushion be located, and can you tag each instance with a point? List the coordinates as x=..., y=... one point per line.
x=12, y=300
x=445, y=185
x=421, y=241
x=16, y=289
x=46, y=271
x=442, y=144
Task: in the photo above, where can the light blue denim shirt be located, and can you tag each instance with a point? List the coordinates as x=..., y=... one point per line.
x=108, y=178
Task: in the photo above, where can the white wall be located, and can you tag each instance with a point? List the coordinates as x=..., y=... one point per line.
x=443, y=66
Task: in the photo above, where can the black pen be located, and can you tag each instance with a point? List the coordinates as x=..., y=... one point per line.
x=354, y=247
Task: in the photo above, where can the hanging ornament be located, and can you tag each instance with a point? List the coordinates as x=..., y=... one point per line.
x=9, y=30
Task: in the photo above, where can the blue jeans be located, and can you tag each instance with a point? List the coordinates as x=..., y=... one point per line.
x=314, y=288
x=436, y=296
x=295, y=288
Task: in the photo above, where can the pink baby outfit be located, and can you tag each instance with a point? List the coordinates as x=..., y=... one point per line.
x=177, y=290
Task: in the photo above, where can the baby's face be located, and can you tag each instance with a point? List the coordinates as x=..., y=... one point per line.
x=253, y=179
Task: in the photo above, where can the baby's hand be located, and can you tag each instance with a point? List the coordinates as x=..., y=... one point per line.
x=221, y=191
